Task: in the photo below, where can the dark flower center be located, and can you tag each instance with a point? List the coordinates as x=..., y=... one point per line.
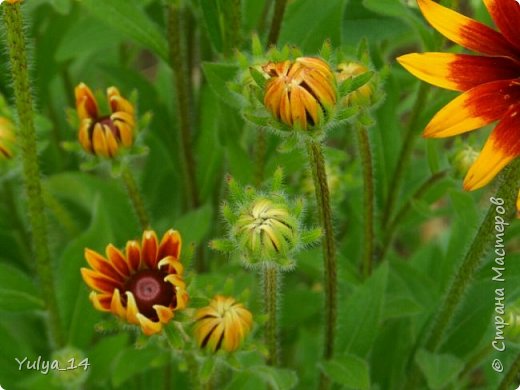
x=149, y=288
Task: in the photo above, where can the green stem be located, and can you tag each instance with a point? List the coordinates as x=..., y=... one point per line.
x=486, y=234
x=511, y=376
x=276, y=23
x=270, y=276
x=260, y=156
x=368, y=198
x=263, y=18
x=406, y=153
x=135, y=197
x=178, y=63
x=31, y=169
x=60, y=213
x=319, y=175
x=232, y=14
x=405, y=209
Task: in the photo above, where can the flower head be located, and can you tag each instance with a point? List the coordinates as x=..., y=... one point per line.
x=264, y=227
x=6, y=138
x=223, y=324
x=143, y=286
x=104, y=135
x=300, y=93
x=490, y=82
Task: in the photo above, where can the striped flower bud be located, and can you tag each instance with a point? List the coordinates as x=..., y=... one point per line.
x=364, y=94
x=104, y=135
x=300, y=93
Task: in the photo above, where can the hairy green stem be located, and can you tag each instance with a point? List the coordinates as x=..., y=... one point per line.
x=178, y=62
x=368, y=198
x=260, y=156
x=270, y=281
x=486, y=234
x=510, y=379
x=321, y=187
x=135, y=197
x=276, y=22
x=263, y=18
x=406, y=153
x=31, y=169
x=233, y=17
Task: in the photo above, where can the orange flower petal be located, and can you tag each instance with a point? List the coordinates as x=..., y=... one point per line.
x=174, y=265
x=118, y=260
x=116, y=306
x=100, y=302
x=149, y=249
x=131, y=308
x=86, y=104
x=101, y=265
x=465, y=31
x=177, y=281
x=502, y=147
x=84, y=136
x=111, y=141
x=124, y=117
x=99, y=141
x=297, y=108
x=133, y=255
x=125, y=132
x=99, y=282
x=458, y=72
x=165, y=314
x=171, y=244
x=275, y=89
x=120, y=104
x=506, y=15
x=148, y=326
x=475, y=108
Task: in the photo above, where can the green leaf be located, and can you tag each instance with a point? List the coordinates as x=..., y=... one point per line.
x=17, y=291
x=206, y=369
x=195, y=224
x=218, y=75
x=362, y=314
x=131, y=361
x=401, y=306
x=349, y=371
x=277, y=378
x=439, y=369
x=130, y=19
x=211, y=16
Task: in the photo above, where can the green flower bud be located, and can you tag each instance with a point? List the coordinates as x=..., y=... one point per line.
x=462, y=160
x=73, y=367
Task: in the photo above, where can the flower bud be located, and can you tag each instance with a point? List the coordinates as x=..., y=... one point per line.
x=104, y=135
x=364, y=94
x=300, y=93
x=73, y=366
x=223, y=324
x=462, y=160
x=7, y=138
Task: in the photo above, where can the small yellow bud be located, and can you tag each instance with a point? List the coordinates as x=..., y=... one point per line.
x=7, y=138
x=364, y=94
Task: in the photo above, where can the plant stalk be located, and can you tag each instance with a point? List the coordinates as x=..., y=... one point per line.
x=270, y=279
x=319, y=174
x=31, y=169
x=368, y=198
x=178, y=63
x=276, y=22
x=508, y=382
x=135, y=197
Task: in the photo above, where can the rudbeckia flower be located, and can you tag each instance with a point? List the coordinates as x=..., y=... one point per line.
x=142, y=286
x=222, y=324
x=6, y=138
x=104, y=135
x=299, y=93
x=489, y=82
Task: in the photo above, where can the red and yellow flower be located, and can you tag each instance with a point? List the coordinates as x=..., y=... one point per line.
x=144, y=285
x=490, y=82
x=223, y=324
x=299, y=93
x=104, y=135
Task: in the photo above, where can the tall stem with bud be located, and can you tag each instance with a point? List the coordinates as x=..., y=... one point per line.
x=270, y=281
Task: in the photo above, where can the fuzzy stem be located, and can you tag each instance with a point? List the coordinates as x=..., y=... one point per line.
x=31, y=169
x=276, y=23
x=233, y=16
x=368, y=198
x=263, y=18
x=135, y=197
x=270, y=276
x=178, y=63
x=406, y=153
x=321, y=188
x=511, y=376
x=508, y=191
